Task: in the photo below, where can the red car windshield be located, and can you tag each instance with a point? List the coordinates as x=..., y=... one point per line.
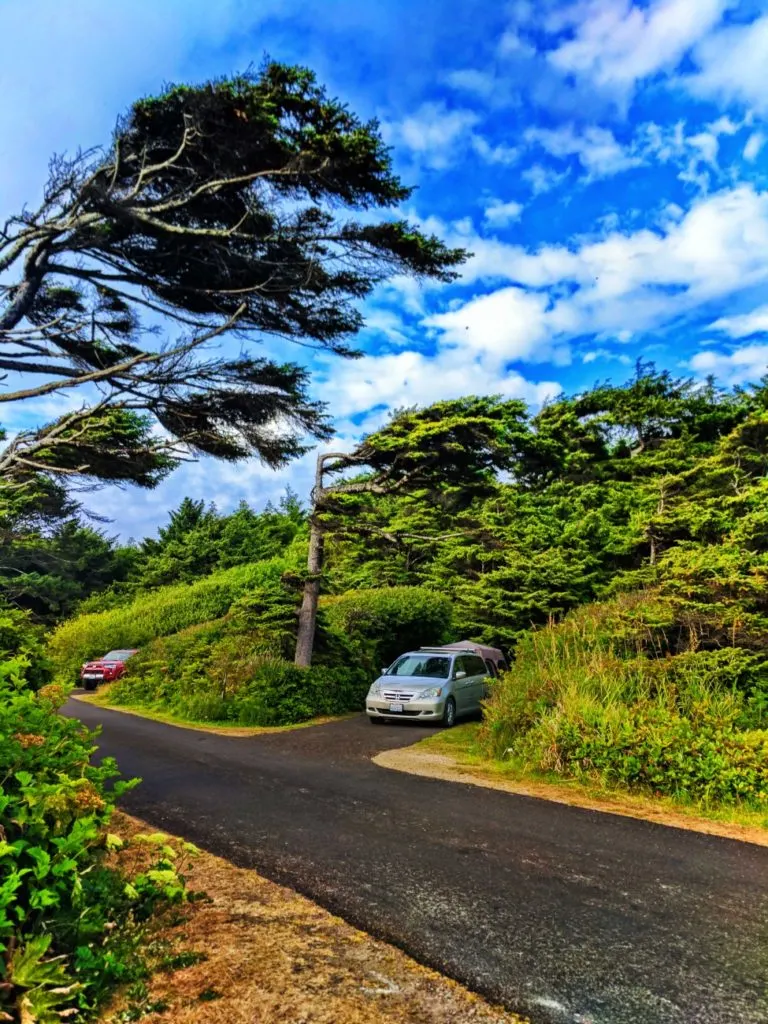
x=117, y=656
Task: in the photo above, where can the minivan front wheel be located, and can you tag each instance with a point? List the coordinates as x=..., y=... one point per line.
x=449, y=714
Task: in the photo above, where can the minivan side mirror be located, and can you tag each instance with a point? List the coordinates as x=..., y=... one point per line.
x=385, y=670
x=460, y=674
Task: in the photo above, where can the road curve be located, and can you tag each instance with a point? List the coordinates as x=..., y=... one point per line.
x=566, y=915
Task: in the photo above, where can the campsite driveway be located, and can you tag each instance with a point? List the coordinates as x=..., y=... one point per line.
x=560, y=913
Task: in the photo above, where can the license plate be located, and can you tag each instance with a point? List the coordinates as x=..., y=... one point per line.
x=91, y=675
x=395, y=707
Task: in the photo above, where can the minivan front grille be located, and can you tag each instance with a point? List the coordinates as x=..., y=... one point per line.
x=398, y=696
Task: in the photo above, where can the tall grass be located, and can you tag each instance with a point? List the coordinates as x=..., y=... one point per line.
x=610, y=693
x=159, y=613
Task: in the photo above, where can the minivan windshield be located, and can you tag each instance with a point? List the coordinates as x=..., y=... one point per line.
x=427, y=665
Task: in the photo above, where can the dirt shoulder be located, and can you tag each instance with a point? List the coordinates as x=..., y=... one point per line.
x=428, y=759
x=273, y=956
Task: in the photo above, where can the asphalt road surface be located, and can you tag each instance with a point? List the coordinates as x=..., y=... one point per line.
x=559, y=913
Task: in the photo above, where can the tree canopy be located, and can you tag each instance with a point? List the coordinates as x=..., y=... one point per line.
x=248, y=208
x=450, y=451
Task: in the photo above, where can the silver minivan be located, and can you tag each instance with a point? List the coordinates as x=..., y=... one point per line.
x=437, y=684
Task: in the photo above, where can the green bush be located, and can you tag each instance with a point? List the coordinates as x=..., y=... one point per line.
x=19, y=638
x=384, y=623
x=283, y=694
x=69, y=918
x=157, y=614
x=250, y=688
x=612, y=694
x=661, y=752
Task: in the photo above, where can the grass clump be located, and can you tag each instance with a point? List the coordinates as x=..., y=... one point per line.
x=638, y=693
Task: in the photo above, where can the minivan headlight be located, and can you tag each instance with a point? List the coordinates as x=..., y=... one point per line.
x=375, y=690
x=433, y=691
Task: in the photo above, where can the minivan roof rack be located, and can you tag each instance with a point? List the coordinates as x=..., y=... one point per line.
x=447, y=650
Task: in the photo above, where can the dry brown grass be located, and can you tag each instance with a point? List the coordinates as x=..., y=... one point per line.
x=274, y=956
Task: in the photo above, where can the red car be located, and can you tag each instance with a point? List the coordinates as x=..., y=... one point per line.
x=104, y=670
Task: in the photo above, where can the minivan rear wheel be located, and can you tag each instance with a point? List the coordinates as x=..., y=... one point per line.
x=449, y=714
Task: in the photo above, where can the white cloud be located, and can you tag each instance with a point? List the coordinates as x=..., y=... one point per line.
x=499, y=214
x=696, y=154
x=732, y=63
x=707, y=145
x=616, y=43
x=498, y=154
x=619, y=285
x=472, y=80
x=439, y=137
x=543, y=179
x=725, y=126
x=743, y=326
x=755, y=143
x=435, y=134
x=388, y=323
x=511, y=45
x=606, y=354
x=749, y=363
x=597, y=150
x=510, y=324
x=414, y=378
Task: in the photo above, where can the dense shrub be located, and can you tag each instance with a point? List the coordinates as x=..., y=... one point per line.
x=160, y=613
x=612, y=694
x=235, y=684
x=282, y=694
x=384, y=623
x=70, y=920
x=20, y=638
x=653, y=749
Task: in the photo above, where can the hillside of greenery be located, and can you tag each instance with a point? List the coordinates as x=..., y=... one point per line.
x=622, y=560
x=76, y=914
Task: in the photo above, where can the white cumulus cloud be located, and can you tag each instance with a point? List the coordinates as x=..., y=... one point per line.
x=749, y=363
x=755, y=143
x=499, y=214
x=510, y=323
x=435, y=134
x=755, y=322
x=416, y=378
x=596, y=148
x=732, y=63
x=616, y=43
x=621, y=284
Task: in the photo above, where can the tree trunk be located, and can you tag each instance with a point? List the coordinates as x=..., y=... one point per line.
x=305, y=639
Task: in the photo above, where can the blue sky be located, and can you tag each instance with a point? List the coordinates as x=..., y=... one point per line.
x=605, y=160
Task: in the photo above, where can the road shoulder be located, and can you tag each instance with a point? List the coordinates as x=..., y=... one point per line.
x=266, y=953
x=436, y=764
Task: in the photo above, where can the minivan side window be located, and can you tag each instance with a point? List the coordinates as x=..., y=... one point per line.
x=474, y=665
x=491, y=667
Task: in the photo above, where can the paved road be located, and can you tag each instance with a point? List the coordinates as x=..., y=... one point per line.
x=563, y=914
